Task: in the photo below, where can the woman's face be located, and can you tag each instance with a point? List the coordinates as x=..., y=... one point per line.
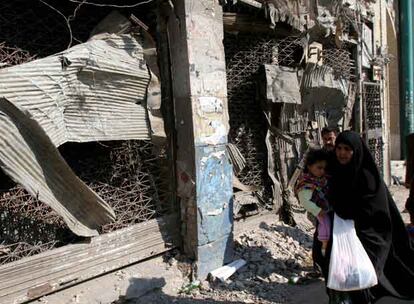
x=344, y=154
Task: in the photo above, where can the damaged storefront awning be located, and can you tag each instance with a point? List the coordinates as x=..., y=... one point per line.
x=29, y=157
x=281, y=84
x=92, y=92
x=323, y=91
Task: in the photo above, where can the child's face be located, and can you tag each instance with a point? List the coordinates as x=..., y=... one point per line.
x=318, y=168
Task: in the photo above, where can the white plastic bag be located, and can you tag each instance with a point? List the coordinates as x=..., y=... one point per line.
x=350, y=267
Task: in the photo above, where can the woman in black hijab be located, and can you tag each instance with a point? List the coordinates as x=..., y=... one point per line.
x=358, y=192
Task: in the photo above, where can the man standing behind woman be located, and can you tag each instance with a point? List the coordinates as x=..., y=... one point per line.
x=329, y=138
x=357, y=192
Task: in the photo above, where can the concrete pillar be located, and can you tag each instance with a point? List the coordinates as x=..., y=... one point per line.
x=380, y=38
x=394, y=88
x=204, y=173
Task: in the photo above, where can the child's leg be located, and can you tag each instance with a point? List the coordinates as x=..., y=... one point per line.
x=324, y=231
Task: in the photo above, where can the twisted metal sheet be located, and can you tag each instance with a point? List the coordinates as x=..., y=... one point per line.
x=125, y=174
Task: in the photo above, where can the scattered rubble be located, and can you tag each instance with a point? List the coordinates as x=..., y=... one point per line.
x=225, y=272
x=278, y=257
x=278, y=270
x=278, y=263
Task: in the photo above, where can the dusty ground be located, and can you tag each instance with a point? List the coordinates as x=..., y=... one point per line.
x=400, y=195
x=275, y=254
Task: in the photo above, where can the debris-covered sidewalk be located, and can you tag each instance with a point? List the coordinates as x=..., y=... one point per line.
x=278, y=260
x=278, y=257
x=279, y=268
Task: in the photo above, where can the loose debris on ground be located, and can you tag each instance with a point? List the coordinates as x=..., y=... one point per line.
x=278, y=257
x=279, y=265
x=278, y=260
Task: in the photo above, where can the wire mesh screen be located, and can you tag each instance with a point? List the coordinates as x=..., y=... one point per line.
x=43, y=30
x=373, y=122
x=126, y=174
x=340, y=60
x=38, y=29
x=245, y=54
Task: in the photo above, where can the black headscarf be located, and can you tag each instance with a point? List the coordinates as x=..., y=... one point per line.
x=348, y=181
x=359, y=193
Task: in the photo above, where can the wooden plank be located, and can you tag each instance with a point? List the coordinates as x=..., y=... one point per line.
x=74, y=250
x=50, y=271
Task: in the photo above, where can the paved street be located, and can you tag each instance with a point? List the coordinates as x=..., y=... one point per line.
x=315, y=293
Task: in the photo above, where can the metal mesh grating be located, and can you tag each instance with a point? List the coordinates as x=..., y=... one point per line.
x=373, y=122
x=137, y=184
x=244, y=56
x=125, y=174
x=36, y=28
x=376, y=148
x=340, y=61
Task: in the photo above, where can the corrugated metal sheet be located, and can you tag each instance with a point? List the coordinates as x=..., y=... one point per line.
x=323, y=94
x=91, y=92
x=281, y=84
x=30, y=158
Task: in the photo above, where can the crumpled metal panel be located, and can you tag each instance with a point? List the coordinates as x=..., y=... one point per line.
x=299, y=14
x=30, y=158
x=324, y=93
x=282, y=85
x=91, y=92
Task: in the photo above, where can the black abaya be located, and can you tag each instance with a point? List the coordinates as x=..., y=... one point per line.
x=358, y=193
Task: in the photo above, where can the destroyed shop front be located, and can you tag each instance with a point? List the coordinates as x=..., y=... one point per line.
x=293, y=68
x=87, y=181
x=88, y=134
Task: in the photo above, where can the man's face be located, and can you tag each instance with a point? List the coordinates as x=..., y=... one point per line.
x=329, y=141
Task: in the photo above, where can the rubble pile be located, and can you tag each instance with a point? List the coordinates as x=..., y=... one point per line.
x=278, y=261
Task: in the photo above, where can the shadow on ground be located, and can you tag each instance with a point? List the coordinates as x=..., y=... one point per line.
x=257, y=282
x=316, y=292
x=149, y=291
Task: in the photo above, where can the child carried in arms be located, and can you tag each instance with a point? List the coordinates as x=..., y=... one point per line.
x=311, y=190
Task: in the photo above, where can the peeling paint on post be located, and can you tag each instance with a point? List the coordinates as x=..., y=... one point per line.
x=195, y=30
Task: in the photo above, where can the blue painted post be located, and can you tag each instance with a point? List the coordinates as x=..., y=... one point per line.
x=195, y=30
